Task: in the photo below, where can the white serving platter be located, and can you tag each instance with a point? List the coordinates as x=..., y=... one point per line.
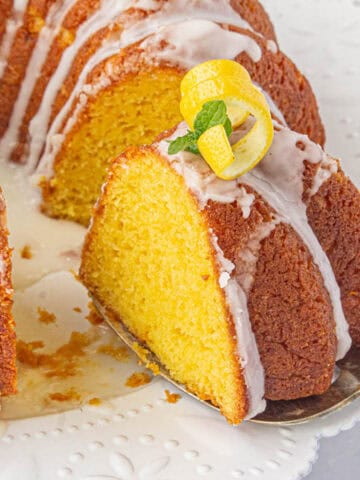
x=136, y=433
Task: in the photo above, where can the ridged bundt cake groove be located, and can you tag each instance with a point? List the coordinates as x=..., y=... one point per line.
x=81, y=48
x=280, y=275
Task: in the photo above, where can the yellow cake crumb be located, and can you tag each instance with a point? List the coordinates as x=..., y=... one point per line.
x=168, y=310
x=143, y=355
x=69, y=370
x=93, y=316
x=77, y=309
x=64, y=396
x=119, y=353
x=59, y=364
x=137, y=379
x=75, y=346
x=115, y=118
x=74, y=274
x=35, y=345
x=95, y=401
x=45, y=317
x=26, y=355
x=172, y=397
x=140, y=351
x=154, y=367
x=26, y=252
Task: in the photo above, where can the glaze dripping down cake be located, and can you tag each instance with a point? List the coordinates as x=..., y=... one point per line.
x=244, y=296
x=81, y=80
x=226, y=282
x=7, y=328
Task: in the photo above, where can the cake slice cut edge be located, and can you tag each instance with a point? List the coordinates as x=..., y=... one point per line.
x=161, y=277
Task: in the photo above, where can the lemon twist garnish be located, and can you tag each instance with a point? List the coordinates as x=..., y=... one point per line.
x=226, y=81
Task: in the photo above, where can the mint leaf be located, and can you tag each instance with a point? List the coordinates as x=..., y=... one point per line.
x=212, y=113
x=181, y=143
x=193, y=148
x=228, y=126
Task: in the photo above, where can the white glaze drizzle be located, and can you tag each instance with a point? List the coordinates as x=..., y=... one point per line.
x=275, y=110
x=279, y=180
x=271, y=46
x=107, y=12
x=146, y=5
x=249, y=357
x=327, y=167
x=248, y=256
x=206, y=186
x=12, y=26
x=169, y=13
x=195, y=41
x=202, y=181
x=46, y=36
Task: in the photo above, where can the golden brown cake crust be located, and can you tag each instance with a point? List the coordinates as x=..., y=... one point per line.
x=7, y=332
x=132, y=61
x=287, y=87
x=250, y=10
x=290, y=310
x=20, y=53
x=334, y=215
x=254, y=13
x=80, y=12
x=293, y=95
x=129, y=65
x=5, y=9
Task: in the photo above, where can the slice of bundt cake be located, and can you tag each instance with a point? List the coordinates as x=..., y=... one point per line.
x=82, y=80
x=197, y=267
x=164, y=276
x=7, y=329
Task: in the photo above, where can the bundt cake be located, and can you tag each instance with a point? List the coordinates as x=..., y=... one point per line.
x=7, y=332
x=205, y=271
x=238, y=287
x=83, y=79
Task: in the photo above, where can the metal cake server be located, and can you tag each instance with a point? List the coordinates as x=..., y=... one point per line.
x=345, y=388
